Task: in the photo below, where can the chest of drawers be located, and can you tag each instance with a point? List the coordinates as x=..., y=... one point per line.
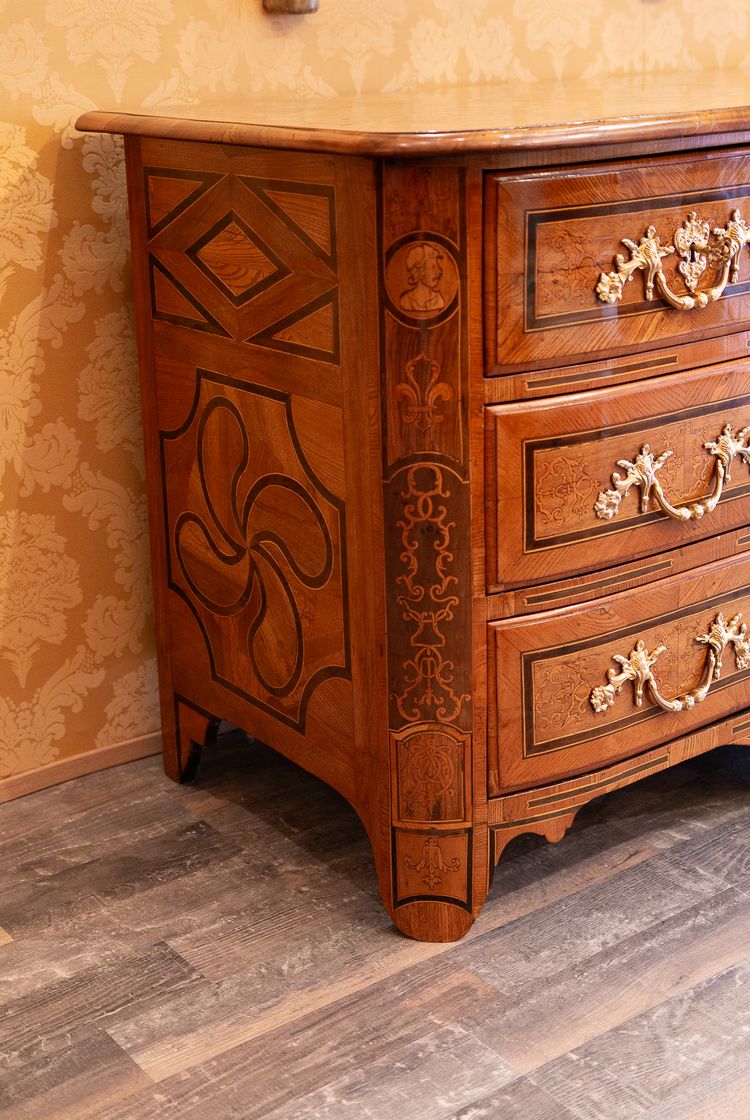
x=447, y=425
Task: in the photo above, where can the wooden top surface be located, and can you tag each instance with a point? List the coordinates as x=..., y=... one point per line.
x=482, y=118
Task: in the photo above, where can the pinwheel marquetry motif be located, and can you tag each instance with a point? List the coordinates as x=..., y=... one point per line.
x=642, y=473
x=638, y=668
x=692, y=243
x=257, y=549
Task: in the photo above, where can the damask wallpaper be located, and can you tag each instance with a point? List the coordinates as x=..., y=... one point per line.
x=77, y=673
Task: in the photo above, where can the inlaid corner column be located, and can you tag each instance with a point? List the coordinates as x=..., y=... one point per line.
x=428, y=570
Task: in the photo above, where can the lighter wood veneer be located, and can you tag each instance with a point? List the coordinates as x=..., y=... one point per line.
x=488, y=118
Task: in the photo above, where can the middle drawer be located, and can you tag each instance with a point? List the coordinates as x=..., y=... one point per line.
x=578, y=483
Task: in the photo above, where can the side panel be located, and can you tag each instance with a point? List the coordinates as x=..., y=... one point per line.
x=257, y=414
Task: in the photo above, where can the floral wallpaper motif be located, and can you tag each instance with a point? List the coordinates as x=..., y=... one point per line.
x=77, y=670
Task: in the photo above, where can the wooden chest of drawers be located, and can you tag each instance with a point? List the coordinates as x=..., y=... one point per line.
x=447, y=420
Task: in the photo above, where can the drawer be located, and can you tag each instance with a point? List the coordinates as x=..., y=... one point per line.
x=563, y=500
x=556, y=294
x=564, y=685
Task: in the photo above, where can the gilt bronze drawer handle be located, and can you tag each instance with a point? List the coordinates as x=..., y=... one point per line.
x=636, y=667
x=693, y=243
x=642, y=472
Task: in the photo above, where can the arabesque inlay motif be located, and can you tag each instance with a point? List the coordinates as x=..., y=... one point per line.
x=432, y=863
x=642, y=472
x=692, y=243
x=431, y=777
x=637, y=667
x=427, y=599
x=563, y=488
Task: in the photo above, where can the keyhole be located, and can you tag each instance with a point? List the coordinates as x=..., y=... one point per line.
x=693, y=254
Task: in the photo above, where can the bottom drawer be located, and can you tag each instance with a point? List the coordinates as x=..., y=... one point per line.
x=578, y=688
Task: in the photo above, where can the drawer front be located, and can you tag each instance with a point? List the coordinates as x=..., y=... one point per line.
x=556, y=294
x=583, y=482
x=567, y=685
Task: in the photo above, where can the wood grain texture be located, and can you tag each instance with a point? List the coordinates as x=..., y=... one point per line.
x=548, y=666
x=536, y=383
x=424, y=398
x=231, y=578
x=605, y=977
x=485, y=118
x=555, y=237
x=427, y=585
x=553, y=460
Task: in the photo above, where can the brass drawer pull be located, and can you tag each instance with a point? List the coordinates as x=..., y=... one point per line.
x=642, y=472
x=637, y=665
x=692, y=242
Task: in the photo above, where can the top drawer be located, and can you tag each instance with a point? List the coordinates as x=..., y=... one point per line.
x=589, y=263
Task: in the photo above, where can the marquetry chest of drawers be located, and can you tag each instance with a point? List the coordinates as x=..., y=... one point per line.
x=447, y=421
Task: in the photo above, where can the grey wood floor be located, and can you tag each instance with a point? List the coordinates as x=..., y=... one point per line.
x=218, y=951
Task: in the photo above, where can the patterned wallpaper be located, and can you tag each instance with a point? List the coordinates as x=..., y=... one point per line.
x=77, y=670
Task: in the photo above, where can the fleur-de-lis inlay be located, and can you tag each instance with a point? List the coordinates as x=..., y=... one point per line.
x=422, y=393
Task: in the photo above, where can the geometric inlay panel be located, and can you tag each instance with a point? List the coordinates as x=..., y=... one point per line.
x=257, y=546
x=173, y=303
x=237, y=260
x=309, y=211
x=168, y=192
x=311, y=331
x=254, y=259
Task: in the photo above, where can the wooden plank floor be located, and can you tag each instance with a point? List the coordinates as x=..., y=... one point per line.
x=218, y=952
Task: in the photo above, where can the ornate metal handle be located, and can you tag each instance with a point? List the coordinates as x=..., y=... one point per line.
x=642, y=472
x=637, y=665
x=692, y=242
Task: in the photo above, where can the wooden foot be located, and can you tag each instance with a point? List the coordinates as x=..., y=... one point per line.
x=436, y=881
x=194, y=729
x=433, y=921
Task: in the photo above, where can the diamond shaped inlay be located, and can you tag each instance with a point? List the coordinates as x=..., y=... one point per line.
x=238, y=262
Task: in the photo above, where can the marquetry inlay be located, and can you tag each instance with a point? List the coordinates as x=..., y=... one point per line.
x=447, y=429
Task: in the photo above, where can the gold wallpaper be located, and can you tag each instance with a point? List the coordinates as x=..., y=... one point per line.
x=77, y=673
